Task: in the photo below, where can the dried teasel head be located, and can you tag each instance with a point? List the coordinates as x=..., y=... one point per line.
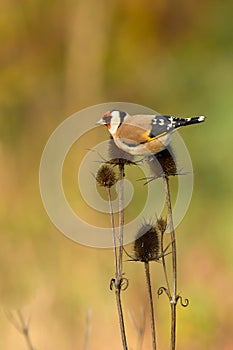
x=147, y=243
x=163, y=163
x=106, y=176
x=161, y=225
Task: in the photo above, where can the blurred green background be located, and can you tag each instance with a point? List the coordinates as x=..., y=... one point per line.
x=59, y=57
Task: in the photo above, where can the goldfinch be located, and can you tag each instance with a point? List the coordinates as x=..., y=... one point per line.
x=143, y=134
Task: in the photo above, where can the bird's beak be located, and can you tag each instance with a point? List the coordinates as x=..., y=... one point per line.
x=100, y=122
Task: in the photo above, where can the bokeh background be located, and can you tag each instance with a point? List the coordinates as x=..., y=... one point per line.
x=59, y=57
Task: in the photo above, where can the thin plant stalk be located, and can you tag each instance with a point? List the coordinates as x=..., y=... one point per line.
x=118, y=261
x=113, y=231
x=152, y=317
x=25, y=331
x=118, y=287
x=173, y=296
x=21, y=326
x=121, y=317
x=88, y=330
x=121, y=216
x=140, y=328
x=164, y=266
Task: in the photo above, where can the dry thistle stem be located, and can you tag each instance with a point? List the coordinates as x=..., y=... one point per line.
x=147, y=243
x=106, y=176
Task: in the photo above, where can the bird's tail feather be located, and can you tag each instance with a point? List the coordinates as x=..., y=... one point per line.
x=188, y=121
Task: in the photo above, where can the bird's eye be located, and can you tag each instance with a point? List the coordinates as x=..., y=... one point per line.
x=107, y=119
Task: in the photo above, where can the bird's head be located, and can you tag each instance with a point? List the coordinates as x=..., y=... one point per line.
x=112, y=119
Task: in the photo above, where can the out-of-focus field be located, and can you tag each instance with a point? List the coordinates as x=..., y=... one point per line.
x=59, y=57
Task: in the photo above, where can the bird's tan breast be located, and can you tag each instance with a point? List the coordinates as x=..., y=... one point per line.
x=132, y=135
x=134, y=130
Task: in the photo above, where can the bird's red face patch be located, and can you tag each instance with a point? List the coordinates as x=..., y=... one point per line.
x=107, y=119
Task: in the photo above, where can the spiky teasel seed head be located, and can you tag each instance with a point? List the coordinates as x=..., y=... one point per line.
x=106, y=176
x=167, y=163
x=161, y=225
x=147, y=243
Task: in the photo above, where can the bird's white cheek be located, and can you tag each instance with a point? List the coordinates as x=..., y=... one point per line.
x=113, y=128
